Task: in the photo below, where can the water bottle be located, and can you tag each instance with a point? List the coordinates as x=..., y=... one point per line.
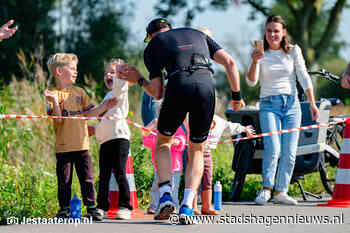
x=199, y=199
x=75, y=207
x=217, y=196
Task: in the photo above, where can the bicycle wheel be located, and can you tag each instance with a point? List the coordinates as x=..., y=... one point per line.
x=335, y=135
x=329, y=164
x=327, y=174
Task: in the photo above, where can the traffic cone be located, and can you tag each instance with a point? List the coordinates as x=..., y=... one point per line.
x=341, y=193
x=114, y=192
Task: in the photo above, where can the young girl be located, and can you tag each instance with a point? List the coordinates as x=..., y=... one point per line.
x=219, y=127
x=177, y=149
x=114, y=136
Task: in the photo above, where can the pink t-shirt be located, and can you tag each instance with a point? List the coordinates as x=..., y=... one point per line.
x=176, y=150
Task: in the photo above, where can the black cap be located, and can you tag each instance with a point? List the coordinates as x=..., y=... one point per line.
x=154, y=26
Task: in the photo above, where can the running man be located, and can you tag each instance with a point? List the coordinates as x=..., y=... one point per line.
x=184, y=53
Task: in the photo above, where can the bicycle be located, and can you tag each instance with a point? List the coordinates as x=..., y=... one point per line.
x=334, y=137
x=318, y=148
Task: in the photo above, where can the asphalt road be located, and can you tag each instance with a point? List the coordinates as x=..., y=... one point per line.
x=241, y=217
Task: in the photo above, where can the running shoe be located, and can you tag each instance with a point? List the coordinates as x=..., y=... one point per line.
x=123, y=214
x=95, y=213
x=283, y=198
x=184, y=213
x=165, y=208
x=263, y=197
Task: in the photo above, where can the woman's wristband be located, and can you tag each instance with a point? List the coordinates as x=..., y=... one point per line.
x=236, y=95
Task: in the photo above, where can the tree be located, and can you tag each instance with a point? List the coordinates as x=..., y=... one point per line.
x=35, y=31
x=96, y=33
x=312, y=24
x=166, y=8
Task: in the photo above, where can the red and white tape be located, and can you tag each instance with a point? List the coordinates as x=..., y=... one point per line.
x=13, y=116
x=325, y=124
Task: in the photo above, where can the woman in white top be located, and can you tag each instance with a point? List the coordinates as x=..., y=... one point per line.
x=277, y=66
x=219, y=127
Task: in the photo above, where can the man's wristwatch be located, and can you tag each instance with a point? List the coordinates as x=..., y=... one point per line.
x=141, y=81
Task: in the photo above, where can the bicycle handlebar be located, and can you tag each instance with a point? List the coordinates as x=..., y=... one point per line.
x=325, y=74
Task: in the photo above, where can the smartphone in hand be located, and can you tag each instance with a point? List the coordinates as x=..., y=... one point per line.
x=259, y=45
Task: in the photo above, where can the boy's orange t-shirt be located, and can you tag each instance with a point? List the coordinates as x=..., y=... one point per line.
x=71, y=135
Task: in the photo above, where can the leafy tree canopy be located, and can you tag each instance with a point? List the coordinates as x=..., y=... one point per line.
x=313, y=24
x=35, y=33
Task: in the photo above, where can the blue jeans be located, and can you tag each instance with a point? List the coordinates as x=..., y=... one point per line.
x=276, y=113
x=148, y=108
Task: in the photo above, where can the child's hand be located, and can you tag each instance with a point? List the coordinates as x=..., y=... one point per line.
x=50, y=96
x=110, y=103
x=249, y=130
x=91, y=130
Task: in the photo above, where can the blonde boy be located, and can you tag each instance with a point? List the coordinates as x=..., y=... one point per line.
x=72, y=142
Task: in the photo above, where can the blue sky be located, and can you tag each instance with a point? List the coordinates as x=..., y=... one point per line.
x=227, y=26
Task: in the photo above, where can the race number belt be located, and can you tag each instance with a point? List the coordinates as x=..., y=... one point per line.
x=191, y=69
